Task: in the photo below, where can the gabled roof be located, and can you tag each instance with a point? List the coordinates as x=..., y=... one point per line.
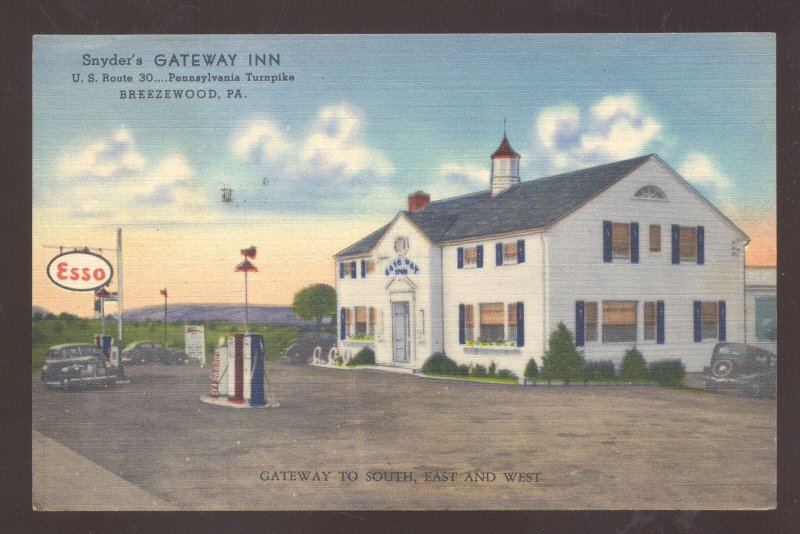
x=527, y=206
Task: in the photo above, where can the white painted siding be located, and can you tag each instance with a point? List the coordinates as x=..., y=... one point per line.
x=575, y=258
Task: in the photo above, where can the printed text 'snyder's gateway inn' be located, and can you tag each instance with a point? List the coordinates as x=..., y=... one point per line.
x=624, y=254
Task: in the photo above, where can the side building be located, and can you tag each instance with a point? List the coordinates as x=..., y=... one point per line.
x=625, y=254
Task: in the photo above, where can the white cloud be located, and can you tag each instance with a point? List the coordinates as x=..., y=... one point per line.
x=612, y=129
x=333, y=150
x=111, y=181
x=703, y=173
x=454, y=179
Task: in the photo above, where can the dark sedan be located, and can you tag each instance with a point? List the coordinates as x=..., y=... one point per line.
x=149, y=352
x=302, y=349
x=69, y=366
x=743, y=367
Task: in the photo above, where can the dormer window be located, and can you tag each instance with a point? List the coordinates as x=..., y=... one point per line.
x=650, y=192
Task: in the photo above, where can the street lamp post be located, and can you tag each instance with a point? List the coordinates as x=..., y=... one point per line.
x=164, y=292
x=246, y=267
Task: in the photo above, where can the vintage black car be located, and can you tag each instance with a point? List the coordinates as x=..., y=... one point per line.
x=149, y=352
x=74, y=365
x=302, y=349
x=743, y=367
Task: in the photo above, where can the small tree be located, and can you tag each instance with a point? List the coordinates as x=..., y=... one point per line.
x=562, y=360
x=315, y=302
x=633, y=366
x=531, y=370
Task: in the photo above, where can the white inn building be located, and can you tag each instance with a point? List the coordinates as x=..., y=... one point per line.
x=624, y=254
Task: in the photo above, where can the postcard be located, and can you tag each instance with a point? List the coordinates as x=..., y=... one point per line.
x=404, y=272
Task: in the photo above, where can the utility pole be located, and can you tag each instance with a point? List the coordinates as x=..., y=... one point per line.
x=246, y=267
x=164, y=292
x=120, y=371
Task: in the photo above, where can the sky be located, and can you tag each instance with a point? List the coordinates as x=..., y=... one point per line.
x=328, y=149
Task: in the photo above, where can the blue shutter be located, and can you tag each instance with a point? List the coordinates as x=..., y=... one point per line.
x=341, y=269
x=498, y=254
x=353, y=272
x=676, y=244
x=723, y=312
x=580, y=309
x=461, y=324
x=701, y=245
x=363, y=268
x=342, y=325
x=480, y=256
x=521, y=251
x=698, y=332
x=660, y=322
x=520, y=324
x=460, y=253
x=607, y=241
x=634, y=242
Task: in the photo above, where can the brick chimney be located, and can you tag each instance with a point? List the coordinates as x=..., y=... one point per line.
x=418, y=200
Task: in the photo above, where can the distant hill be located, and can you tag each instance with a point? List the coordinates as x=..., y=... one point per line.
x=183, y=313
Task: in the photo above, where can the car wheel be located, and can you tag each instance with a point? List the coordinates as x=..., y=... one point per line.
x=722, y=368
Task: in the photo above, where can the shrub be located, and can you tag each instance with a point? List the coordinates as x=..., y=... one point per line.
x=633, y=366
x=562, y=360
x=463, y=370
x=492, y=369
x=438, y=363
x=531, y=370
x=668, y=373
x=599, y=370
x=505, y=373
x=479, y=370
x=365, y=356
x=338, y=360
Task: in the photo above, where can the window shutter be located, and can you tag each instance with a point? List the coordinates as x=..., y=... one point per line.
x=580, y=307
x=460, y=253
x=520, y=324
x=607, y=241
x=480, y=256
x=363, y=268
x=676, y=244
x=521, y=251
x=634, y=242
x=698, y=333
x=353, y=272
x=342, y=325
x=723, y=312
x=461, y=324
x=341, y=269
x=498, y=254
x=701, y=245
x=660, y=322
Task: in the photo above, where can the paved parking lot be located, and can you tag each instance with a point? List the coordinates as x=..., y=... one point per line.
x=577, y=447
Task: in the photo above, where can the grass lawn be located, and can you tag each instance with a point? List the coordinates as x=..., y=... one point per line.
x=50, y=331
x=468, y=378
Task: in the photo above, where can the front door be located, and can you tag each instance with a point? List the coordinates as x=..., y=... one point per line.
x=401, y=333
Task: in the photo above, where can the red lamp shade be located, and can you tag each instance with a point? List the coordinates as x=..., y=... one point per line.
x=246, y=266
x=164, y=291
x=102, y=294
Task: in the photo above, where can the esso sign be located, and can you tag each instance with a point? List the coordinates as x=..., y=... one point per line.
x=80, y=271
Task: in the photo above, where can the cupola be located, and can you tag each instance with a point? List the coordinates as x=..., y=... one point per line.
x=505, y=167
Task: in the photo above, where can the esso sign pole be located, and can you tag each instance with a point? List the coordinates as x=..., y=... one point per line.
x=80, y=271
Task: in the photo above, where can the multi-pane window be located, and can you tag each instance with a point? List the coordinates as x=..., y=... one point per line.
x=619, y=320
x=650, y=192
x=471, y=257
x=766, y=318
x=510, y=251
x=688, y=243
x=348, y=269
x=621, y=241
x=709, y=314
x=361, y=320
x=492, y=323
x=649, y=321
x=590, y=321
x=370, y=266
x=365, y=319
x=512, y=321
x=655, y=238
x=469, y=321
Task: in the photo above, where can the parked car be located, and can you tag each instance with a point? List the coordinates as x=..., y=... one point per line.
x=74, y=365
x=149, y=352
x=744, y=367
x=302, y=349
